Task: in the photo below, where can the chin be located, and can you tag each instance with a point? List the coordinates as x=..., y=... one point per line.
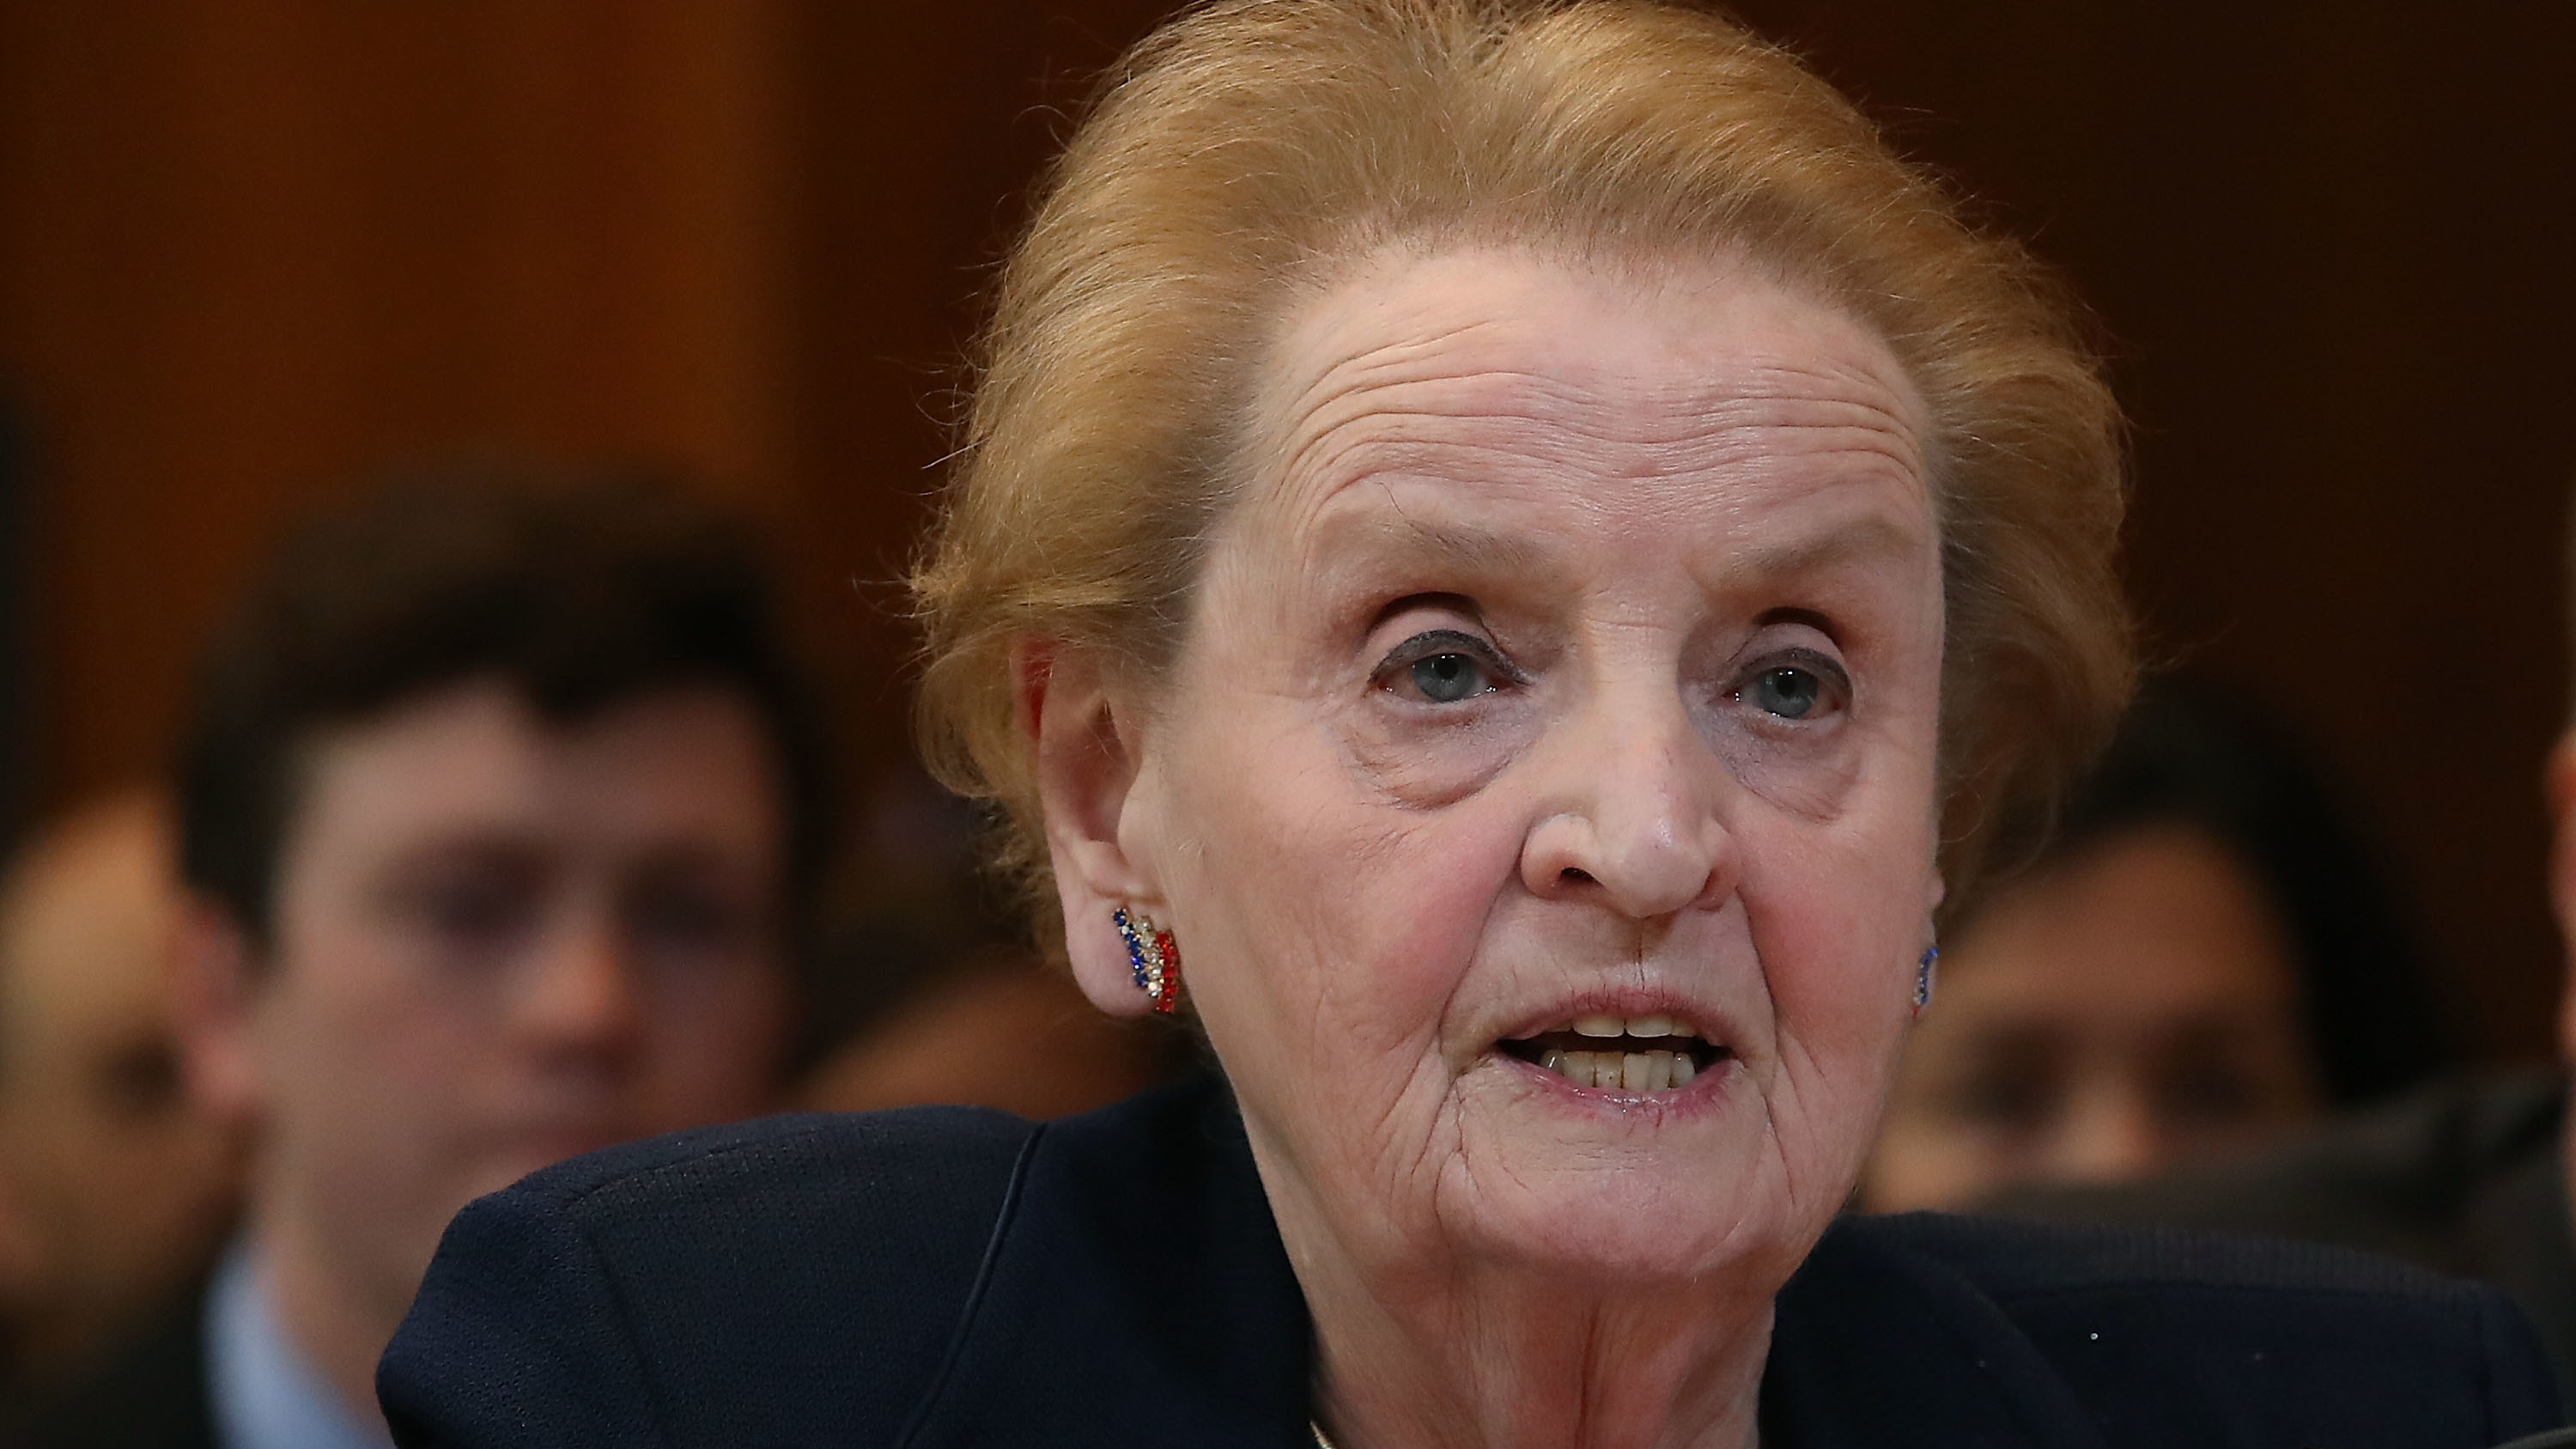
x=1627, y=1193
x=1626, y=1231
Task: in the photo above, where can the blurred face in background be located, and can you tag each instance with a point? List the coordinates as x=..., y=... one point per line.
x=498, y=941
x=2131, y=1007
x=112, y=1185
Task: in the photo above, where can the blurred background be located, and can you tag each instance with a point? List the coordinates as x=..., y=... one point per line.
x=251, y=253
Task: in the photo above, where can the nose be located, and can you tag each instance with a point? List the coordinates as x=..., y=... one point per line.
x=580, y=997
x=2109, y=1134
x=1638, y=823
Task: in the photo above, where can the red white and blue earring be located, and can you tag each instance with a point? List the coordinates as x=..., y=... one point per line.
x=1153, y=957
x=1923, y=978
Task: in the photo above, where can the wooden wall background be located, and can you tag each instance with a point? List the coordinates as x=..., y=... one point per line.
x=250, y=249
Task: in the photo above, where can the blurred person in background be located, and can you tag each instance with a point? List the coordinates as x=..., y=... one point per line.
x=499, y=817
x=2468, y=1174
x=2202, y=961
x=114, y=1187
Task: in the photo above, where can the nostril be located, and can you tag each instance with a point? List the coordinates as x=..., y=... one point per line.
x=1571, y=876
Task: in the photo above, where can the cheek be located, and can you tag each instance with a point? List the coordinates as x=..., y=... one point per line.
x=1420, y=920
x=1816, y=784
x=1421, y=760
x=1838, y=921
x=351, y=1025
x=1323, y=922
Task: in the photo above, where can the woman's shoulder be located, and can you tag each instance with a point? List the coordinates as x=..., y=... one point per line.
x=851, y=1278
x=867, y=1165
x=2160, y=1337
x=781, y=1250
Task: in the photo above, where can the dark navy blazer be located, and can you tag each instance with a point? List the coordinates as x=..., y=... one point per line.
x=949, y=1277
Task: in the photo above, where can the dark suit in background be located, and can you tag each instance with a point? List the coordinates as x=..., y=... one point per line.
x=2464, y=1178
x=151, y=1395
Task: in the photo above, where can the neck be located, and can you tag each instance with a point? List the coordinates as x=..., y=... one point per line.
x=1455, y=1350
x=1491, y=1360
x=327, y=1313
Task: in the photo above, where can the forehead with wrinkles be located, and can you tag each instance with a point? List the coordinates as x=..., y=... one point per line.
x=1499, y=368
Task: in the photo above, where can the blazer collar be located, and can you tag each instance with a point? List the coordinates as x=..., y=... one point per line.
x=1135, y=1293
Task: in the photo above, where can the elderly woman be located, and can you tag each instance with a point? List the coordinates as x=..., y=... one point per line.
x=1505, y=554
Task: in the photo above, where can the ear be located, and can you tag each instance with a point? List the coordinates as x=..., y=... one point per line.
x=1085, y=748
x=212, y=998
x=2558, y=788
x=1936, y=889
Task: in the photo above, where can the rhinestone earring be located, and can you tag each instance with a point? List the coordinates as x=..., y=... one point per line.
x=1923, y=978
x=1154, y=959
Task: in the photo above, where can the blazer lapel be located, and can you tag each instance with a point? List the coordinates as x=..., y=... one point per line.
x=1136, y=1294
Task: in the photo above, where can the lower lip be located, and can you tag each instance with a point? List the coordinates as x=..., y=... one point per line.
x=1700, y=1091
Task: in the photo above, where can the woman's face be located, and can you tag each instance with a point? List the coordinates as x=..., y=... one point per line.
x=1571, y=665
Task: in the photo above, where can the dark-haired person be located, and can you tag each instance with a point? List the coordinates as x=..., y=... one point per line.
x=496, y=809
x=2202, y=961
x=2469, y=1175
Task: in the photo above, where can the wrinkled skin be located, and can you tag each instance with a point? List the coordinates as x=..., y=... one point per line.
x=1575, y=646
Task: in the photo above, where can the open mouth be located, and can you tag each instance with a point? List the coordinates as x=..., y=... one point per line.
x=1629, y=1053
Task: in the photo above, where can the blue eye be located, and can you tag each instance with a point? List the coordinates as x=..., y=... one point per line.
x=1448, y=678
x=1444, y=666
x=1787, y=692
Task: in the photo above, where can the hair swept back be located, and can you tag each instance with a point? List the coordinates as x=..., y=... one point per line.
x=581, y=590
x=1240, y=155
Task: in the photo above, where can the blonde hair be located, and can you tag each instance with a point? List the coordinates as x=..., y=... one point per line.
x=1251, y=146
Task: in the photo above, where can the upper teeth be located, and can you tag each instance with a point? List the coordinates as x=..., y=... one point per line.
x=1637, y=1069
x=1642, y=1026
